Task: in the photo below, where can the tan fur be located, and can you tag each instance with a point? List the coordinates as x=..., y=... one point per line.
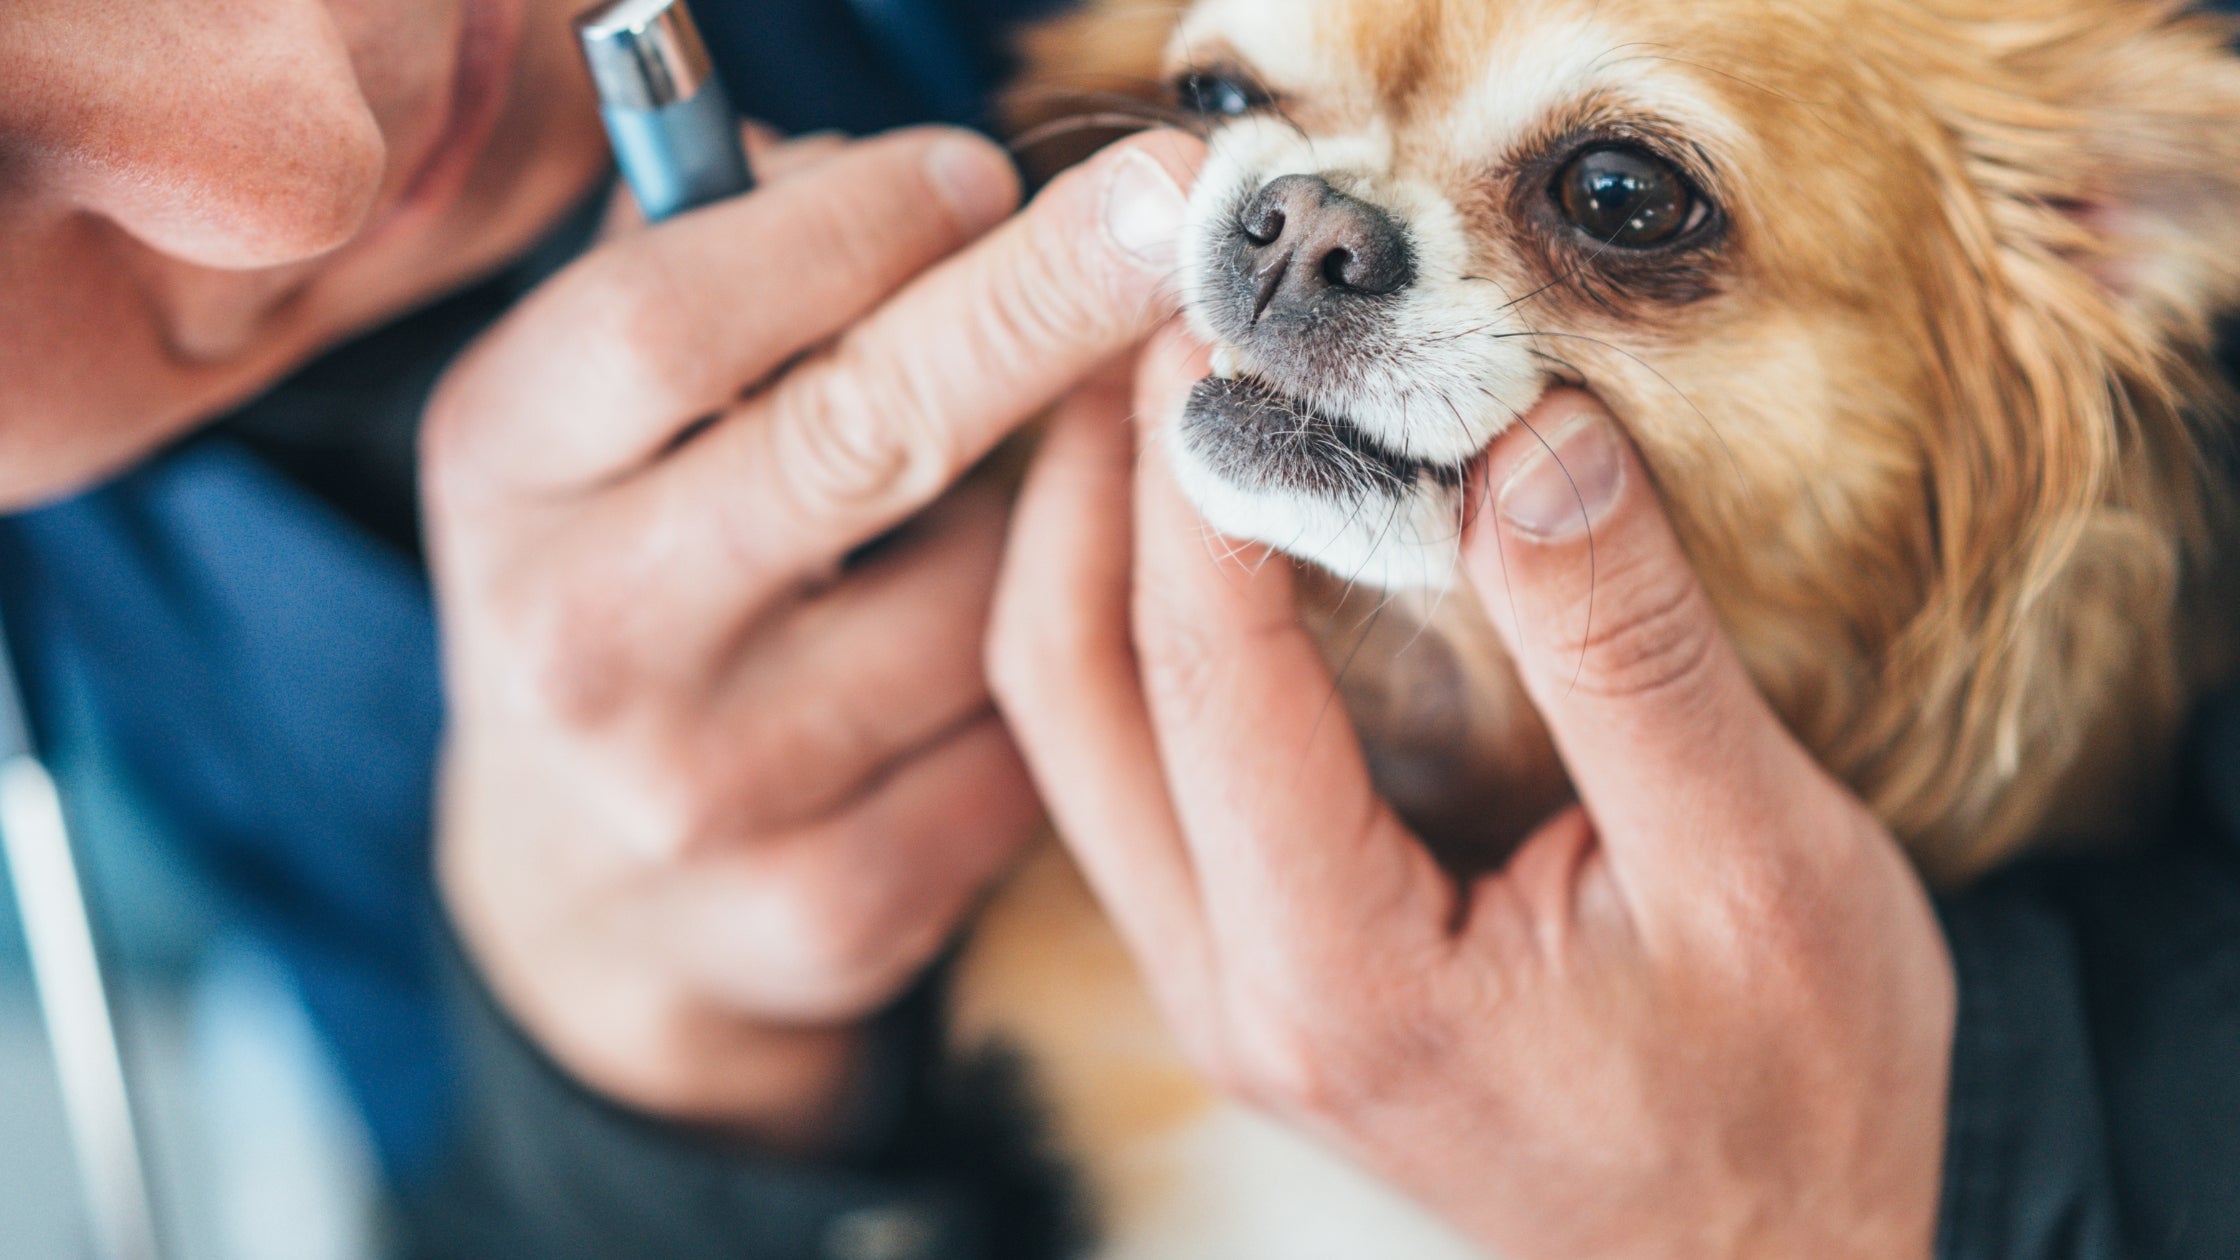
x=1931, y=440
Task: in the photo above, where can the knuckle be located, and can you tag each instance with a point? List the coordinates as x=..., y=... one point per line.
x=840, y=737
x=637, y=1034
x=560, y=648
x=1294, y=1066
x=855, y=956
x=833, y=950
x=643, y=788
x=626, y=313
x=860, y=433
x=1655, y=637
x=653, y=785
x=1038, y=298
x=675, y=809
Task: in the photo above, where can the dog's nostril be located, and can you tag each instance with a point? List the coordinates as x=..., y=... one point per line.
x=1265, y=226
x=1302, y=241
x=1378, y=265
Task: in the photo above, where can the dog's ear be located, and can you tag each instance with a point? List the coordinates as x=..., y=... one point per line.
x=1084, y=76
x=2112, y=141
x=2093, y=240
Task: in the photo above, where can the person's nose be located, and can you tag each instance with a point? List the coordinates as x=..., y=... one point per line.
x=1307, y=243
x=227, y=136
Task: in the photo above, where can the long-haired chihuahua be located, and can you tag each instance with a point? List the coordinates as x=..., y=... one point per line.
x=1909, y=306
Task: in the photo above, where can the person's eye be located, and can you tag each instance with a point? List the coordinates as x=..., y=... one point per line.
x=1626, y=197
x=1220, y=93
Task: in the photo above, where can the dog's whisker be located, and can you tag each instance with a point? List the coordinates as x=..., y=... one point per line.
x=1075, y=124
x=1734, y=463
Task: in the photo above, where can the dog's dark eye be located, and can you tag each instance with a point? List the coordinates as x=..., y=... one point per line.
x=1623, y=196
x=1220, y=93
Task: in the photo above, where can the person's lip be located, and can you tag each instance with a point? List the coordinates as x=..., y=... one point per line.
x=490, y=33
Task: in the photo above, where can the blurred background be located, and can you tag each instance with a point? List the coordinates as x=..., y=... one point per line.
x=254, y=1153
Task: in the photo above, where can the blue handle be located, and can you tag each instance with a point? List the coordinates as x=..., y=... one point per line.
x=681, y=156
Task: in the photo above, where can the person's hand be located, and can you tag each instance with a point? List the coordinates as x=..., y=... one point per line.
x=1706, y=1014
x=721, y=777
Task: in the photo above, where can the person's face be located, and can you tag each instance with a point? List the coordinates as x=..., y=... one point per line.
x=196, y=196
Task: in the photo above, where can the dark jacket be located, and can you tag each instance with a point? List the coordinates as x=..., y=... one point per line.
x=247, y=619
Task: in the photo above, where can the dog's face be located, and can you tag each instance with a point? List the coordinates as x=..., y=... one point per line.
x=1905, y=302
x=1773, y=235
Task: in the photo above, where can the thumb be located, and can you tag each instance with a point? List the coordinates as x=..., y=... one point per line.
x=1669, y=743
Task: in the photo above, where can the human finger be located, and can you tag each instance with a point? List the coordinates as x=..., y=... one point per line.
x=1063, y=669
x=831, y=921
x=1621, y=649
x=609, y=363
x=906, y=399
x=870, y=668
x=1301, y=864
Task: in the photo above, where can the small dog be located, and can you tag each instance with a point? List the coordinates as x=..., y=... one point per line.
x=1909, y=305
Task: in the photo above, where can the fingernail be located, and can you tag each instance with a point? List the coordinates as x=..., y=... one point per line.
x=1143, y=211
x=972, y=180
x=1567, y=485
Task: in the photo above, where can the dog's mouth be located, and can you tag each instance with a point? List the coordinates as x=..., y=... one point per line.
x=1252, y=433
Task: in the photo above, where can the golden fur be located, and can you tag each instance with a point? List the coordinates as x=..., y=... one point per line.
x=1933, y=427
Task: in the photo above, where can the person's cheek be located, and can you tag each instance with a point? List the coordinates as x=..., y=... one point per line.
x=407, y=55
x=227, y=136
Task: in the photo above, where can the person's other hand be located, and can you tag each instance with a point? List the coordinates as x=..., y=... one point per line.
x=721, y=777
x=1706, y=1013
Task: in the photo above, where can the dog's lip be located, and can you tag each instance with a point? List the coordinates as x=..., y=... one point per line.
x=1270, y=433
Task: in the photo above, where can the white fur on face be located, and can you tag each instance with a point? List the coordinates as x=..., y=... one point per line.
x=1390, y=541
x=1434, y=383
x=1446, y=365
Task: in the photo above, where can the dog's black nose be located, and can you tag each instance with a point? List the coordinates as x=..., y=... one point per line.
x=1304, y=240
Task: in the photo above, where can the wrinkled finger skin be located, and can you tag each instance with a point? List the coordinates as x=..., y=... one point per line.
x=1707, y=1012
x=714, y=791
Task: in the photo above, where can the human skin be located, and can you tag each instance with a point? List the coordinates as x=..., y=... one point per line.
x=170, y=243
x=711, y=796
x=196, y=198
x=1706, y=1012
x=758, y=786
